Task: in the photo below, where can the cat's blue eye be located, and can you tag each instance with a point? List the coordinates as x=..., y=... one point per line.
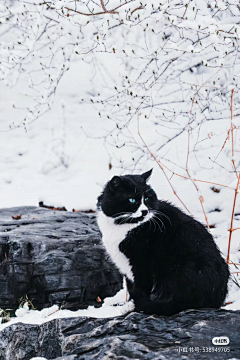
x=146, y=199
x=132, y=200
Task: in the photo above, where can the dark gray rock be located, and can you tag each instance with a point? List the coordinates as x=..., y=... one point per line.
x=55, y=257
x=134, y=336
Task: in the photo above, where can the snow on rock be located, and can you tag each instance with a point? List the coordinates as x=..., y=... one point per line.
x=21, y=311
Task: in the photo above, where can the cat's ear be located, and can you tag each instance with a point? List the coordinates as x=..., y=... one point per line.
x=115, y=182
x=146, y=175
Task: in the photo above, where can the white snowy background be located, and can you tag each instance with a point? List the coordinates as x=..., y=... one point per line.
x=70, y=104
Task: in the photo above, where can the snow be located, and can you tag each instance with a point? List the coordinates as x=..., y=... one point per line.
x=65, y=157
x=108, y=310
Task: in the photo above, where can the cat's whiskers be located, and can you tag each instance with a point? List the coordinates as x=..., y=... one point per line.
x=164, y=215
x=155, y=219
x=167, y=217
x=159, y=225
x=152, y=221
x=124, y=213
x=124, y=220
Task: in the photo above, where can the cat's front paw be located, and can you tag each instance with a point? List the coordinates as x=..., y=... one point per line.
x=128, y=307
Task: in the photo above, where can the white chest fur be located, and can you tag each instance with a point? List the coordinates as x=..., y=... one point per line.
x=112, y=236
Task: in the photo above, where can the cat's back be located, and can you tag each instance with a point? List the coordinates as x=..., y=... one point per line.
x=182, y=232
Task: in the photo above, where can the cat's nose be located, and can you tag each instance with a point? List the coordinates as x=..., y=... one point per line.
x=144, y=212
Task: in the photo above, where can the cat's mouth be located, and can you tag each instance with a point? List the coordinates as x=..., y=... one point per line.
x=128, y=219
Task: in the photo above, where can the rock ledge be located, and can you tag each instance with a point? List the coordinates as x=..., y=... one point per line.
x=134, y=336
x=55, y=257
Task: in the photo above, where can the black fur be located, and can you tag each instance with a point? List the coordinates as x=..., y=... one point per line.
x=175, y=261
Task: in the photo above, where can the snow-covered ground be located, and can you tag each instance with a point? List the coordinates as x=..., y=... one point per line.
x=62, y=160
x=114, y=306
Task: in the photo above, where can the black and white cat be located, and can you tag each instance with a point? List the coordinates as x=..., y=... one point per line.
x=170, y=260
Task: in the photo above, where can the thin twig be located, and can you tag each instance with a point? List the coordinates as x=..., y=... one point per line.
x=138, y=8
x=227, y=138
x=194, y=99
x=232, y=128
x=159, y=164
x=78, y=12
x=207, y=86
x=232, y=263
x=105, y=10
x=200, y=197
x=231, y=228
x=188, y=178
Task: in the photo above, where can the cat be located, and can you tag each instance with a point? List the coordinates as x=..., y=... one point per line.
x=170, y=260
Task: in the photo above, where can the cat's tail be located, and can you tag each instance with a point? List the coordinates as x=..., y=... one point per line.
x=167, y=308
x=147, y=306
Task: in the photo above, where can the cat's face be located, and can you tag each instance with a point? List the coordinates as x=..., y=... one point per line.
x=128, y=199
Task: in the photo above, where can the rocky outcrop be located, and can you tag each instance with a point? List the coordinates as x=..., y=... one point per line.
x=55, y=257
x=187, y=335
